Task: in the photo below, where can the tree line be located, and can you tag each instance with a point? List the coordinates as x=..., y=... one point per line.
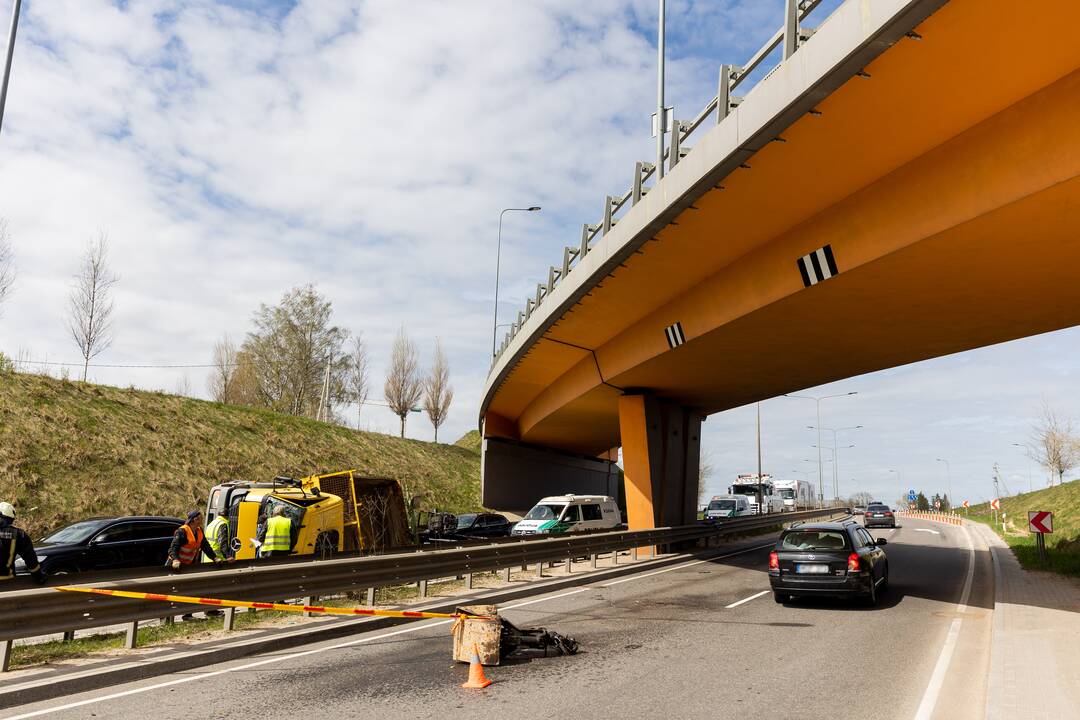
x=294, y=360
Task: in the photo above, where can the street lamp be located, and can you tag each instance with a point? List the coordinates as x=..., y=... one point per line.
x=834, y=431
x=835, y=465
x=1028, y=454
x=7, y=60
x=498, y=260
x=821, y=488
x=899, y=481
x=948, y=479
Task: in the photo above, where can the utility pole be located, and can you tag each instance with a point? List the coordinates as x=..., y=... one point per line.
x=760, y=477
x=997, y=490
x=7, y=59
x=661, y=115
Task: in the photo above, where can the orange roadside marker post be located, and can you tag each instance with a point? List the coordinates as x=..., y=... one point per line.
x=477, y=679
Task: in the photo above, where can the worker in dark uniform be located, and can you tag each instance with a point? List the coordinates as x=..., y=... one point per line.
x=15, y=542
x=188, y=541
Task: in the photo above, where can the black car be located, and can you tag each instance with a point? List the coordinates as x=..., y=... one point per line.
x=482, y=525
x=831, y=558
x=106, y=543
x=879, y=515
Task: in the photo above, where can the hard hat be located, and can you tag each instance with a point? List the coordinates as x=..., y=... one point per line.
x=7, y=510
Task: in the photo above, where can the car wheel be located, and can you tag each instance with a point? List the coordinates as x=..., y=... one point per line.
x=781, y=597
x=61, y=570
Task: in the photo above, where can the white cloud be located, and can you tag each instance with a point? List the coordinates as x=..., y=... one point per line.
x=368, y=147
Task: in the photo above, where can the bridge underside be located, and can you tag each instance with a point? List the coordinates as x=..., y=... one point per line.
x=947, y=188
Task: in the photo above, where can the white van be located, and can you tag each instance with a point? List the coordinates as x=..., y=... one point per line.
x=570, y=513
x=725, y=506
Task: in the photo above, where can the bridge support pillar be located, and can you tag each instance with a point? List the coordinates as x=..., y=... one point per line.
x=661, y=447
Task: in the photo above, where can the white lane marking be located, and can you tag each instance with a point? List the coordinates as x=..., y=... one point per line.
x=937, y=679
x=927, y=530
x=746, y=600
x=642, y=576
x=259, y=663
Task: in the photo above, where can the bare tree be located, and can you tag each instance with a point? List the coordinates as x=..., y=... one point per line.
x=437, y=391
x=90, y=303
x=183, y=386
x=358, y=382
x=222, y=377
x=7, y=263
x=403, y=386
x=705, y=471
x=1054, y=444
x=289, y=350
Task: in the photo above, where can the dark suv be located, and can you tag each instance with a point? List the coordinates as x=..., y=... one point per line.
x=879, y=515
x=832, y=558
x=105, y=544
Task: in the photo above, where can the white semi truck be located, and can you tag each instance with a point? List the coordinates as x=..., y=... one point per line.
x=796, y=494
x=749, y=486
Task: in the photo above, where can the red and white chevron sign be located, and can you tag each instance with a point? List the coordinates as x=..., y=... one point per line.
x=996, y=503
x=966, y=504
x=1040, y=521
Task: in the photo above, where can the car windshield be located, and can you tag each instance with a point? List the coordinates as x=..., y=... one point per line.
x=722, y=505
x=878, y=508
x=745, y=489
x=545, y=512
x=74, y=534
x=466, y=520
x=787, y=494
x=814, y=540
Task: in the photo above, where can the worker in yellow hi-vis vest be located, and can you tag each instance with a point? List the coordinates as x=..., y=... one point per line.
x=277, y=540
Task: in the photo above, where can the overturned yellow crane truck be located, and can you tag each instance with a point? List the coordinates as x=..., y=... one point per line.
x=332, y=513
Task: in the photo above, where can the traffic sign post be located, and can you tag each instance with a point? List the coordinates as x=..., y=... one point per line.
x=1040, y=522
x=967, y=505
x=995, y=505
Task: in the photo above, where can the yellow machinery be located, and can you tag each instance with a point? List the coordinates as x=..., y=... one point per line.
x=332, y=513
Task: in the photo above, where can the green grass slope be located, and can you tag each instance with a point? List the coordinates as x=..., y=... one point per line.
x=1064, y=544
x=70, y=450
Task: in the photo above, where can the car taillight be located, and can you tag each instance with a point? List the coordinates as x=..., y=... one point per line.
x=774, y=561
x=888, y=513
x=853, y=562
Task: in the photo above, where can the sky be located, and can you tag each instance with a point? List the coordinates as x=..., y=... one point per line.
x=233, y=150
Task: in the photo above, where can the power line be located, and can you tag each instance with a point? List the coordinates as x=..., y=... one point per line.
x=79, y=364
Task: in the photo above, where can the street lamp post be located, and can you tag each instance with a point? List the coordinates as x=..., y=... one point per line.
x=7, y=59
x=498, y=261
x=835, y=465
x=821, y=487
x=948, y=480
x=836, y=472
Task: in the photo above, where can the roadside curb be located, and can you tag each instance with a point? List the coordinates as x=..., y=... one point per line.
x=94, y=678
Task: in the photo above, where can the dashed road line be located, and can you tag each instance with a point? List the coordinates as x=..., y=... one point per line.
x=746, y=600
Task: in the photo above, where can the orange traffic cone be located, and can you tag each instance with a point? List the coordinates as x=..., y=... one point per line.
x=476, y=671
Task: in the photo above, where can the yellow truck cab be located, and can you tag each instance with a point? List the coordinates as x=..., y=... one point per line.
x=332, y=513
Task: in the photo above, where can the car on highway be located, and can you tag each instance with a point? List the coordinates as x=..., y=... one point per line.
x=105, y=543
x=879, y=515
x=725, y=506
x=482, y=525
x=858, y=510
x=830, y=559
x=570, y=513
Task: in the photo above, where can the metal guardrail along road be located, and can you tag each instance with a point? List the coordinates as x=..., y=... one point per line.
x=44, y=611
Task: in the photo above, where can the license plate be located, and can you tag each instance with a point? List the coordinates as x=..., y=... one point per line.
x=877, y=515
x=811, y=569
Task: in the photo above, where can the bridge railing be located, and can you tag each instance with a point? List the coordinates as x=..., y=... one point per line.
x=731, y=77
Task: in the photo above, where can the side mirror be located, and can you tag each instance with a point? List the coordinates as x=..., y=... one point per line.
x=881, y=541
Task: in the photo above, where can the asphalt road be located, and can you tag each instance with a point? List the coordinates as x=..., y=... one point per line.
x=699, y=639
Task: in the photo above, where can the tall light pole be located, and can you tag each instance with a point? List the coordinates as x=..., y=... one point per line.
x=835, y=465
x=7, y=59
x=821, y=487
x=948, y=480
x=899, y=482
x=836, y=462
x=498, y=261
x=660, y=114
x=1031, y=488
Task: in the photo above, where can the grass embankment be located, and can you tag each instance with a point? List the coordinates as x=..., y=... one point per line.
x=71, y=450
x=1063, y=546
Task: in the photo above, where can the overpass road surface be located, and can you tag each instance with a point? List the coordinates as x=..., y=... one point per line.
x=701, y=638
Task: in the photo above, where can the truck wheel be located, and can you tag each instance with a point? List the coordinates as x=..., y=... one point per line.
x=325, y=547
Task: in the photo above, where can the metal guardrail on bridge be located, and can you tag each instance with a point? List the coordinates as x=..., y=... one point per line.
x=44, y=611
x=790, y=36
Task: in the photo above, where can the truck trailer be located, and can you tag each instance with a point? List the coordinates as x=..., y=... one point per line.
x=330, y=514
